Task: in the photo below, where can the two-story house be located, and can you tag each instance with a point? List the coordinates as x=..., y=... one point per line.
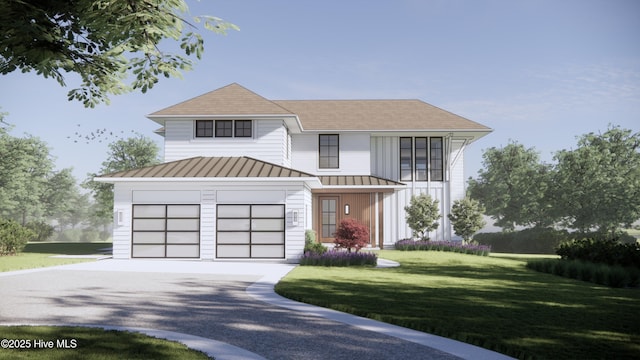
x=244, y=176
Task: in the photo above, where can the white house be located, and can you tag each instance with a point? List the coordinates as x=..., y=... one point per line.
x=245, y=176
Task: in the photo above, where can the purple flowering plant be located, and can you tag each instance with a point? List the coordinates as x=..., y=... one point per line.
x=339, y=258
x=452, y=246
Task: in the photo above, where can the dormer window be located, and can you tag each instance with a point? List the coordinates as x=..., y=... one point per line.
x=224, y=128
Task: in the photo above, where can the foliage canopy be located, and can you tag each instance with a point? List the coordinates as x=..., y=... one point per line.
x=102, y=41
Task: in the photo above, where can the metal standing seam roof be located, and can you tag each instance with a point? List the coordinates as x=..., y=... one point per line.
x=240, y=167
x=211, y=167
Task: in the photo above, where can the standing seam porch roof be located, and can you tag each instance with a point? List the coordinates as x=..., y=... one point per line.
x=239, y=167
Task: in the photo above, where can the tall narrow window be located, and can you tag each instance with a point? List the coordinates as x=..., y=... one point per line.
x=437, y=169
x=328, y=150
x=421, y=159
x=406, y=159
x=224, y=128
x=328, y=217
x=204, y=128
x=242, y=128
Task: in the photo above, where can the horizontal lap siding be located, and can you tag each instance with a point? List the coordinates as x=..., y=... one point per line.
x=267, y=144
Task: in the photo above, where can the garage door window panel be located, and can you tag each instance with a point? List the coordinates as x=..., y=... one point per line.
x=250, y=231
x=161, y=231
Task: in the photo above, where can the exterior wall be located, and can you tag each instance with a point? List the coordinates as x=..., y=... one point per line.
x=268, y=142
x=296, y=197
x=355, y=154
x=385, y=163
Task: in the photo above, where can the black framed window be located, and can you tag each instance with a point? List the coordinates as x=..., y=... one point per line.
x=436, y=158
x=406, y=159
x=242, y=128
x=204, y=128
x=421, y=158
x=328, y=150
x=224, y=128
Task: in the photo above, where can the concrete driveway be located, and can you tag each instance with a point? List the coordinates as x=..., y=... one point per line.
x=231, y=303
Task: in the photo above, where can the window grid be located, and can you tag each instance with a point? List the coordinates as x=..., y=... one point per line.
x=250, y=231
x=243, y=128
x=414, y=153
x=204, y=128
x=224, y=128
x=328, y=151
x=165, y=231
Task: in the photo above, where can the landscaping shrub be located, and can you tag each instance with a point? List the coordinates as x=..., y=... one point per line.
x=605, y=251
x=339, y=258
x=311, y=245
x=13, y=237
x=42, y=230
x=351, y=234
x=452, y=246
x=527, y=241
x=602, y=274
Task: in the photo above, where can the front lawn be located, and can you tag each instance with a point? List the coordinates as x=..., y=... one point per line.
x=493, y=302
x=36, y=255
x=53, y=343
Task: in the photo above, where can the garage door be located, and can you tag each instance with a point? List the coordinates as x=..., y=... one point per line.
x=166, y=231
x=250, y=231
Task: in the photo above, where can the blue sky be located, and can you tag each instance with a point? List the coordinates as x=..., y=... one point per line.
x=537, y=72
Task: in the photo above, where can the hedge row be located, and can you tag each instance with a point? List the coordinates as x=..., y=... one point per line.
x=539, y=240
x=608, y=275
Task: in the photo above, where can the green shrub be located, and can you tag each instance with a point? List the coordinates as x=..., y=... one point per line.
x=13, y=237
x=311, y=245
x=42, y=230
x=605, y=251
x=602, y=274
x=527, y=241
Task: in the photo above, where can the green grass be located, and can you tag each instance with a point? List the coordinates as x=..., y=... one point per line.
x=92, y=344
x=36, y=255
x=493, y=302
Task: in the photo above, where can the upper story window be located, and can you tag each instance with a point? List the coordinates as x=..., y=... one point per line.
x=421, y=159
x=328, y=150
x=204, y=128
x=224, y=128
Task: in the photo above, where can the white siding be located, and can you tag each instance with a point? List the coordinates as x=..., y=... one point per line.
x=355, y=154
x=268, y=143
x=296, y=196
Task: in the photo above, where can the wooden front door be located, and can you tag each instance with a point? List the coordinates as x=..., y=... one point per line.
x=328, y=217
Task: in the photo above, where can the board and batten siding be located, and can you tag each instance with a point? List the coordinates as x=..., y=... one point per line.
x=354, y=154
x=267, y=144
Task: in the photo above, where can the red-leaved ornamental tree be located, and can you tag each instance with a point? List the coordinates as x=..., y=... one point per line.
x=351, y=234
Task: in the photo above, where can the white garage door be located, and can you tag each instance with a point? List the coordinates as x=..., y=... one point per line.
x=250, y=231
x=166, y=231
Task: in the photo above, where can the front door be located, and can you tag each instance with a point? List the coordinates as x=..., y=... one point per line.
x=328, y=217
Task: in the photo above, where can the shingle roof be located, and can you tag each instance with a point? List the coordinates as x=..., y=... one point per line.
x=239, y=167
x=366, y=115
x=232, y=99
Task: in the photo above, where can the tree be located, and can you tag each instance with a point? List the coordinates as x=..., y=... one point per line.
x=466, y=217
x=512, y=187
x=351, y=234
x=102, y=41
x=124, y=154
x=597, y=185
x=422, y=215
x=25, y=164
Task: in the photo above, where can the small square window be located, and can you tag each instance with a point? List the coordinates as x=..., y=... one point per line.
x=204, y=128
x=243, y=128
x=224, y=128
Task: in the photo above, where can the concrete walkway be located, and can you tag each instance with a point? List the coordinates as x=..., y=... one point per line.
x=194, y=302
